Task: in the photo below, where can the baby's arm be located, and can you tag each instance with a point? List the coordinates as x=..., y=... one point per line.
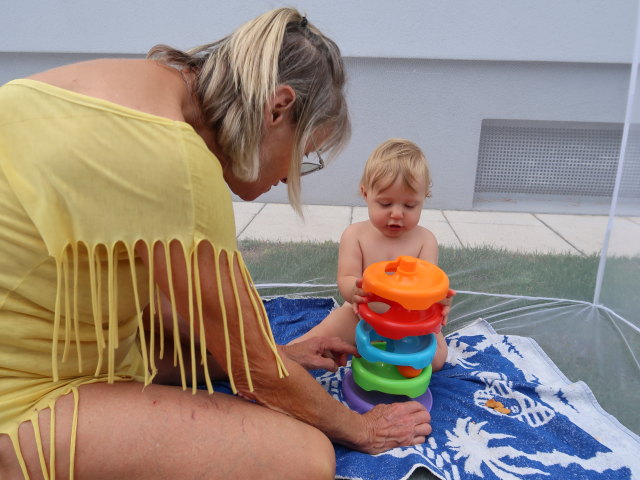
x=441, y=353
x=350, y=265
x=429, y=248
x=429, y=252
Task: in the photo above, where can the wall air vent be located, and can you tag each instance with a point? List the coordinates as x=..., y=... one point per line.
x=555, y=158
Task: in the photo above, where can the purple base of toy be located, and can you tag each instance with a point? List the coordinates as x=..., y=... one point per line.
x=362, y=401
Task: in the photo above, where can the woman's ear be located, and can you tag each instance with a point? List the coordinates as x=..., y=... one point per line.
x=281, y=105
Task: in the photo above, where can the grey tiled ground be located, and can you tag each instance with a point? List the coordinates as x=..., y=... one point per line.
x=245, y=212
x=523, y=232
x=586, y=232
x=278, y=222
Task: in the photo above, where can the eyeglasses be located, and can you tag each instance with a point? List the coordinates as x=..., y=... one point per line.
x=309, y=167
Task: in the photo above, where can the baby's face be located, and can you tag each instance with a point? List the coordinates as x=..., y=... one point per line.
x=396, y=209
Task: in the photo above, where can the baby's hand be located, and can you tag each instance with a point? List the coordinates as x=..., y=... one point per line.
x=359, y=295
x=446, y=303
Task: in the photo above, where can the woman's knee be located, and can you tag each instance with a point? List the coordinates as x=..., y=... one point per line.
x=321, y=459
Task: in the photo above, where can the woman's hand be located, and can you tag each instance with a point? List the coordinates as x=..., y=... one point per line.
x=395, y=425
x=447, y=306
x=327, y=353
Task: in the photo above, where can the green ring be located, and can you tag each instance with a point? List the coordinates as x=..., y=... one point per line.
x=384, y=377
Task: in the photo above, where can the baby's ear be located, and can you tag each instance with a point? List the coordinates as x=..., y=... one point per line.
x=363, y=191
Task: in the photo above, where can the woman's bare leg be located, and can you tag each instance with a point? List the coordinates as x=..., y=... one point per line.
x=168, y=372
x=163, y=432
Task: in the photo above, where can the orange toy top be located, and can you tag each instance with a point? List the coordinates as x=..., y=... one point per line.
x=413, y=283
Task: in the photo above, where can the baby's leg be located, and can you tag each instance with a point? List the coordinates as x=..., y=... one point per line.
x=341, y=322
x=441, y=353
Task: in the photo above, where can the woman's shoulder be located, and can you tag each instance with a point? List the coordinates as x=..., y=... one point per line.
x=83, y=76
x=139, y=84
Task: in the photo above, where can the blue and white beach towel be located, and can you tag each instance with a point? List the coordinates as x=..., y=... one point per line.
x=556, y=429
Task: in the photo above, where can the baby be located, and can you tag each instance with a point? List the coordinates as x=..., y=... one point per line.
x=394, y=184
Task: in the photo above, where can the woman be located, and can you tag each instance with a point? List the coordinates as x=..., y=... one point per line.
x=114, y=178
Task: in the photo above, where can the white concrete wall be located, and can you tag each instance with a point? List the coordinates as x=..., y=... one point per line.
x=540, y=30
x=440, y=104
x=427, y=70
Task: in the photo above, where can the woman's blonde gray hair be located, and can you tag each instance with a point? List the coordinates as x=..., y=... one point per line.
x=237, y=76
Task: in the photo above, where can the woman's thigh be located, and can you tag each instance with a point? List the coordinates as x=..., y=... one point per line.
x=125, y=431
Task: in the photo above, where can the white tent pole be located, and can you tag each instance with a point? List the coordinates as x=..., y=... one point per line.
x=623, y=149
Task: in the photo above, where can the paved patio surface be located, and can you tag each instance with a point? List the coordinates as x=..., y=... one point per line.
x=523, y=232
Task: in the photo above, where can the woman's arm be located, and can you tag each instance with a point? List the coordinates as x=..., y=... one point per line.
x=297, y=394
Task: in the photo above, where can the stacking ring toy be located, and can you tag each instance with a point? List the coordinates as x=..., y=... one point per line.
x=396, y=334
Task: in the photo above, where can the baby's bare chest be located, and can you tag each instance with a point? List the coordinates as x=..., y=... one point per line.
x=385, y=249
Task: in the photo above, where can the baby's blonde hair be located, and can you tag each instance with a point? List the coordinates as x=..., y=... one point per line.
x=392, y=158
x=238, y=75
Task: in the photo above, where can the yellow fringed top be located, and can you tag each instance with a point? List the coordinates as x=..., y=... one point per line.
x=81, y=181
